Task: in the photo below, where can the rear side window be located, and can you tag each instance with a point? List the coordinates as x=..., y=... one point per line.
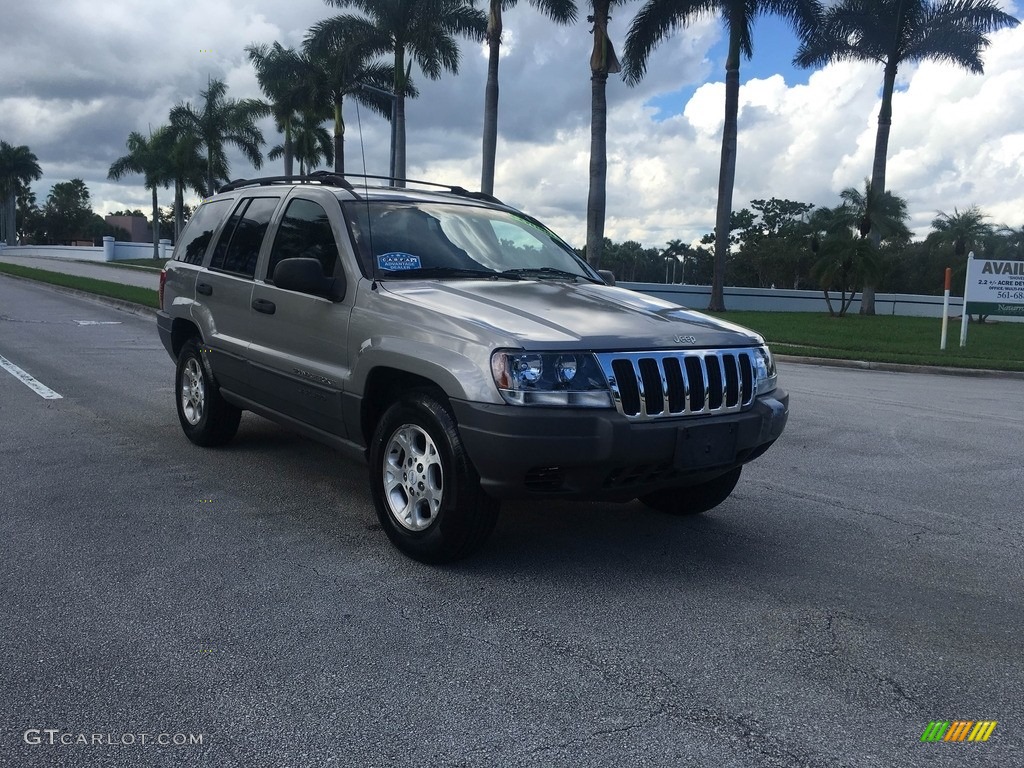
x=305, y=231
x=239, y=245
x=199, y=232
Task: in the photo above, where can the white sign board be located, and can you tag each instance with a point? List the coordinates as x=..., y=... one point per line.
x=994, y=287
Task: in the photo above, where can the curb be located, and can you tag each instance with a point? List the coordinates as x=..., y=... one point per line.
x=867, y=365
x=121, y=304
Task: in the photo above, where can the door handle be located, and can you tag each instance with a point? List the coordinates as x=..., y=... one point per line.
x=204, y=288
x=264, y=306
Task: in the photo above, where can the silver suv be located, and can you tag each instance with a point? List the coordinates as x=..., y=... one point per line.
x=462, y=349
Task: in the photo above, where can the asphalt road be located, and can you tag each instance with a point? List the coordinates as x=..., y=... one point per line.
x=864, y=580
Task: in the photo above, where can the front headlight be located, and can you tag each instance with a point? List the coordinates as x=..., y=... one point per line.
x=766, y=376
x=570, y=379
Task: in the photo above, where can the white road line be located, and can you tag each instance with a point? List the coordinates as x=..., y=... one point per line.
x=36, y=386
x=98, y=322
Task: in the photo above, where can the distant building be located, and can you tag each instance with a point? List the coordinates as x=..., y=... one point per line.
x=136, y=226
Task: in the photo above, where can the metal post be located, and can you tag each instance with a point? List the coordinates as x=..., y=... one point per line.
x=945, y=308
x=963, y=315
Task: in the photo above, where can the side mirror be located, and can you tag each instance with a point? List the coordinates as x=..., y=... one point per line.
x=306, y=275
x=607, y=275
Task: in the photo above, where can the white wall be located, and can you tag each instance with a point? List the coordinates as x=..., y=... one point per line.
x=786, y=300
x=109, y=251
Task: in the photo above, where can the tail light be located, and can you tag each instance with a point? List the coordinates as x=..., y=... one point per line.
x=163, y=281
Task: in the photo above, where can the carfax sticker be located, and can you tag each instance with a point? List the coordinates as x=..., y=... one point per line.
x=397, y=261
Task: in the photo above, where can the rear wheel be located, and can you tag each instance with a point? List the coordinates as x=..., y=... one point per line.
x=695, y=499
x=206, y=418
x=425, y=490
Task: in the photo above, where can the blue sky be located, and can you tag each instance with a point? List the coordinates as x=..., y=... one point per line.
x=774, y=47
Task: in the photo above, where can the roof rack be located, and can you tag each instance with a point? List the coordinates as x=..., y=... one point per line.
x=453, y=189
x=325, y=178
x=330, y=179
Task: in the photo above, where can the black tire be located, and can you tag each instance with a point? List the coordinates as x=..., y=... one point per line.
x=206, y=418
x=424, y=487
x=695, y=499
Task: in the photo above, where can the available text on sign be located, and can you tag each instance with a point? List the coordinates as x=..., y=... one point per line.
x=994, y=287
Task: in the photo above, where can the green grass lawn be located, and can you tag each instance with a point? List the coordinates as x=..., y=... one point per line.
x=145, y=296
x=888, y=339
x=883, y=338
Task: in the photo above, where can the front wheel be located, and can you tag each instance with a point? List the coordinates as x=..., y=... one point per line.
x=206, y=418
x=425, y=489
x=696, y=498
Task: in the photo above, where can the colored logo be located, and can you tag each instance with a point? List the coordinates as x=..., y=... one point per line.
x=959, y=730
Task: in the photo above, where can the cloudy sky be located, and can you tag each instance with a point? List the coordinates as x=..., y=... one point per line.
x=76, y=76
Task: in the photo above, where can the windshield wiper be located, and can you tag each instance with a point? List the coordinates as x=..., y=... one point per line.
x=543, y=272
x=449, y=272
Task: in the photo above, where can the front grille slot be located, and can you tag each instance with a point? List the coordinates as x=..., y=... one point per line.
x=653, y=392
x=649, y=385
x=624, y=380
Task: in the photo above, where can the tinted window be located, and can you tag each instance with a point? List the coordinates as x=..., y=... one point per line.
x=199, y=232
x=305, y=231
x=239, y=244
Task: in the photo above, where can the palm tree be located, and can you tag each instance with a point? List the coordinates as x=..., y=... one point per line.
x=876, y=212
x=603, y=62
x=559, y=11
x=311, y=142
x=18, y=167
x=659, y=18
x=838, y=254
x=1012, y=240
x=286, y=78
x=966, y=230
x=146, y=156
x=343, y=66
x=840, y=239
x=221, y=121
x=186, y=167
x=891, y=32
x=411, y=30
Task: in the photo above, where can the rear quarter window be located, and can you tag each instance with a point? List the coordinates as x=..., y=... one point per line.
x=196, y=238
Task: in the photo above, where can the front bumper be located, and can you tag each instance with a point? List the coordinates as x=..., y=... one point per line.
x=599, y=454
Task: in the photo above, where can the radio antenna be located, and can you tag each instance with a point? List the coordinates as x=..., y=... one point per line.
x=366, y=200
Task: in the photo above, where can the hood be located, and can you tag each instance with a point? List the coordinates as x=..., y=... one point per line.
x=558, y=313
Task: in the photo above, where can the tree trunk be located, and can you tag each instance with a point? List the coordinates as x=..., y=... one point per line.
x=8, y=220
x=828, y=301
x=398, y=122
x=727, y=171
x=490, y=139
x=867, y=301
x=179, y=214
x=602, y=61
x=598, y=168
x=156, y=226
x=289, y=150
x=209, y=172
x=339, y=139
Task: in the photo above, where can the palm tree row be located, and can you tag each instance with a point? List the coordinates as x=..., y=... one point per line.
x=889, y=33
x=340, y=57
x=886, y=31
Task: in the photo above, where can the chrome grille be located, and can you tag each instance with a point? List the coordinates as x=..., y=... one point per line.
x=650, y=385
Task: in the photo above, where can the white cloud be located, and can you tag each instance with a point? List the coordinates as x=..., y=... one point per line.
x=102, y=70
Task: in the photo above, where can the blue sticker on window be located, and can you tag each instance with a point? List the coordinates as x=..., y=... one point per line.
x=397, y=261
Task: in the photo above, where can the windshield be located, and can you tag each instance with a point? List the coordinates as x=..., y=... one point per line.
x=414, y=240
